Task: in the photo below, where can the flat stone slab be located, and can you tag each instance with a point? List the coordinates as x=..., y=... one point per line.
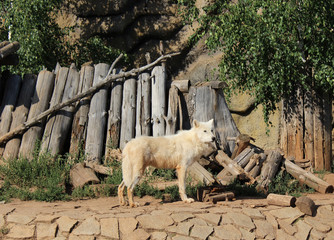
x=46, y=218
x=158, y=236
x=127, y=225
x=253, y=213
x=241, y=220
x=227, y=232
x=66, y=224
x=109, y=227
x=90, y=226
x=287, y=212
x=210, y=218
x=21, y=232
x=264, y=230
x=180, y=217
x=303, y=230
x=155, y=221
x=202, y=232
x=46, y=230
x=20, y=219
x=182, y=228
x=138, y=234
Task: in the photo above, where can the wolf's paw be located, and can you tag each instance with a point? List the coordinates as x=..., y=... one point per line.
x=189, y=200
x=134, y=204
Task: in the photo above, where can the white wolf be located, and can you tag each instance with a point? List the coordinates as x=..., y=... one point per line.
x=177, y=151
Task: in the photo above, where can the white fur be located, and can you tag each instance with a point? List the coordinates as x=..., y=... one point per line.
x=177, y=151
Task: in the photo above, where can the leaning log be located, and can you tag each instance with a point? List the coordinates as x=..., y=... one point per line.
x=20, y=114
x=114, y=118
x=9, y=49
x=201, y=174
x=128, y=112
x=269, y=170
x=242, y=141
x=256, y=170
x=40, y=102
x=97, y=117
x=243, y=158
x=80, y=119
x=307, y=178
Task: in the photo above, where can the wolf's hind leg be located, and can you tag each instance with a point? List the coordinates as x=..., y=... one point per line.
x=132, y=186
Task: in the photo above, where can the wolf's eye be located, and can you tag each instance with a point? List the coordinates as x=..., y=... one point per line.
x=205, y=131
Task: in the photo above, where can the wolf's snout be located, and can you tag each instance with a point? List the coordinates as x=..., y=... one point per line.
x=213, y=139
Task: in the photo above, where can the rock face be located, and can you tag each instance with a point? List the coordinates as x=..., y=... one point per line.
x=138, y=27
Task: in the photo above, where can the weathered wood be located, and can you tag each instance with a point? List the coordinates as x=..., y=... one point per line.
x=20, y=114
x=4, y=43
x=270, y=168
x=212, y=84
x=158, y=101
x=40, y=102
x=201, y=174
x=182, y=85
x=99, y=168
x=327, y=130
x=256, y=170
x=63, y=119
x=80, y=175
x=232, y=166
x=143, y=119
x=224, y=177
x=173, y=106
x=56, y=98
x=110, y=78
x=114, y=119
x=306, y=205
x=8, y=103
x=252, y=162
x=205, y=103
x=243, y=158
x=96, y=128
x=80, y=119
x=128, y=112
x=227, y=196
x=307, y=178
x=318, y=135
x=281, y=200
x=242, y=141
x=9, y=49
x=309, y=131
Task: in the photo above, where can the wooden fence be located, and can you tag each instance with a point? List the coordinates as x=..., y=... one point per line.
x=128, y=107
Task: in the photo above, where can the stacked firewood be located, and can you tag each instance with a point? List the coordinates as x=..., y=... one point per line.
x=251, y=164
x=8, y=54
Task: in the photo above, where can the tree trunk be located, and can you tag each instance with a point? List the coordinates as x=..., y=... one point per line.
x=206, y=102
x=40, y=102
x=97, y=117
x=308, y=178
x=158, y=101
x=114, y=120
x=128, y=112
x=242, y=141
x=309, y=131
x=80, y=120
x=20, y=114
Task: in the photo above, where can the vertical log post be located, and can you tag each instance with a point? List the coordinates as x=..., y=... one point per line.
x=173, y=104
x=128, y=112
x=20, y=114
x=40, y=102
x=97, y=117
x=80, y=120
x=114, y=119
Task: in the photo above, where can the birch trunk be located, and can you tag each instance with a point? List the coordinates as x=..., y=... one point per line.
x=128, y=112
x=20, y=114
x=40, y=102
x=97, y=117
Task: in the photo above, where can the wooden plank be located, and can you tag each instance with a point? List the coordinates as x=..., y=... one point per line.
x=20, y=114
x=80, y=119
x=327, y=130
x=309, y=131
x=63, y=119
x=128, y=112
x=97, y=117
x=114, y=119
x=299, y=125
x=40, y=102
x=200, y=173
x=158, y=101
x=284, y=128
x=173, y=107
x=318, y=135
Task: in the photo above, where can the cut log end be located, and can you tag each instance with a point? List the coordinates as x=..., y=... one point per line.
x=306, y=205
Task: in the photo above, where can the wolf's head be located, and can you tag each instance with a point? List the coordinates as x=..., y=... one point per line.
x=205, y=132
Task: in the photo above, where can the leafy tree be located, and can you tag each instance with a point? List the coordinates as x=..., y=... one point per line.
x=270, y=48
x=32, y=23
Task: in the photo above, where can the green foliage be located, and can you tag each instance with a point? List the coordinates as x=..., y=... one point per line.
x=32, y=23
x=284, y=183
x=271, y=48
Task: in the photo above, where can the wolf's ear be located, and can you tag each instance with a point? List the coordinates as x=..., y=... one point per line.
x=195, y=123
x=211, y=121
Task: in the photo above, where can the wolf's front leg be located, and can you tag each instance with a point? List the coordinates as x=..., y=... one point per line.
x=181, y=174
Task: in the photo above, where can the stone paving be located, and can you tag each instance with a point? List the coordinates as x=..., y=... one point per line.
x=104, y=219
